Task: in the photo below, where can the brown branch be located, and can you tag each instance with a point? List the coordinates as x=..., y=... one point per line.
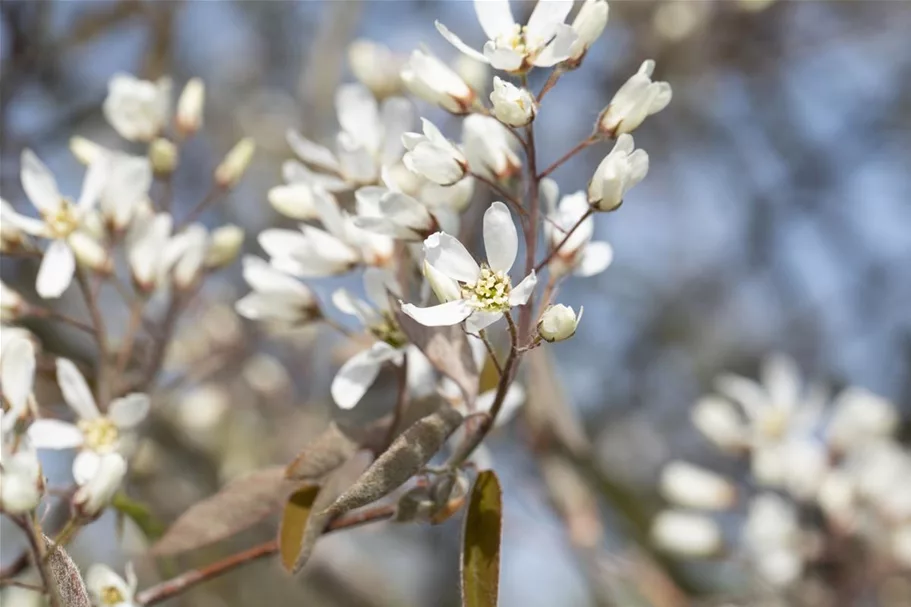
x=559, y=162
x=569, y=233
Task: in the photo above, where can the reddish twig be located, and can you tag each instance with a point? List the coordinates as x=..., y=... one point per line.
x=569, y=233
x=578, y=148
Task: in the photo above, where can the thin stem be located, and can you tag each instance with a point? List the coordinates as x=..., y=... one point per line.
x=91, y=303
x=493, y=357
x=569, y=233
x=214, y=193
x=55, y=315
x=39, y=550
x=531, y=232
x=551, y=82
x=170, y=588
x=18, y=584
x=507, y=197
x=579, y=147
x=126, y=349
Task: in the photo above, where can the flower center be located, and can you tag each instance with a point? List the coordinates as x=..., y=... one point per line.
x=110, y=595
x=490, y=293
x=62, y=221
x=100, y=434
x=388, y=331
x=519, y=41
x=774, y=422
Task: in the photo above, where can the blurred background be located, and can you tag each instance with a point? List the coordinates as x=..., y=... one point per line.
x=776, y=216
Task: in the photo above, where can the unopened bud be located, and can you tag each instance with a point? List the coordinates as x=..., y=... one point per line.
x=690, y=486
x=189, y=107
x=94, y=496
x=558, y=323
x=235, y=164
x=89, y=252
x=163, y=155
x=21, y=482
x=376, y=67
x=12, y=305
x=512, y=105
x=224, y=245
x=85, y=150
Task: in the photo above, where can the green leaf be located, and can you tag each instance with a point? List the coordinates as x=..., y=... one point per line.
x=294, y=524
x=139, y=513
x=481, y=543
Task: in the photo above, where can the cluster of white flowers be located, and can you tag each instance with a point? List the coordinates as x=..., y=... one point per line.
x=806, y=454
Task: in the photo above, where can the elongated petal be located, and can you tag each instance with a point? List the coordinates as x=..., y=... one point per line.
x=56, y=271
x=495, y=17
x=459, y=44
x=522, y=291
x=546, y=15
x=501, y=240
x=481, y=320
x=442, y=315
x=559, y=48
x=596, y=257
x=54, y=434
x=503, y=58
x=75, y=390
x=294, y=201
x=358, y=115
x=17, y=372
x=129, y=411
x=450, y=257
x=397, y=116
x=358, y=374
x=312, y=153
x=445, y=288
x=39, y=184
x=262, y=276
x=96, y=178
x=85, y=466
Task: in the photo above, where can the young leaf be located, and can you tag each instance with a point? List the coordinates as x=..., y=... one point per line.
x=407, y=454
x=481, y=543
x=139, y=513
x=447, y=349
x=240, y=504
x=66, y=577
x=330, y=450
x=294, y=522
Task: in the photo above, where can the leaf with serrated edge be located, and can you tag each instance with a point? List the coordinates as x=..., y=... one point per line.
x=481, y=543
x=66, y=577
x=407, y=454
x=240, y=504
x=328, y=451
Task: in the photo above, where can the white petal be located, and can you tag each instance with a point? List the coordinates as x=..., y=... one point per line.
x=481, y=320
x=96, y=178
x=502, y=58
x=397, y=116
x=596, y=257
x=48, y=433
x=358, y=115
x=546, y=15
x=450, y=257
x=662, y=97
x=501, y=241
x=261, y=276
x=559, y=48
x=100, y=577
x=458, y=43
x=39, y=184
x=56, y=271
x=494, y=16
x=85, y=466
x=522, y=291
x=129, y=411
x=312, y=153
x=17, y=372
x=75, y=390
x=294, y=200
x=638, y=167
x=358, y=374
x=781, y=378
x=442, y=315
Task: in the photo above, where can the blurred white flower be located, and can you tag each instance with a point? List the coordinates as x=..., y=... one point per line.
x=486, y=291
x=12, y=304
x=223, y=246
x=97, y=490
x=690, y=486
x=96, y=435
x=145, y=246
x=512, y=47
x=393, y=214
x=425, y=76
x=107, y=589
x=21, y=481
x=127, y=187
x=578, y=254
x=637, y=99
x=620, y=170
x=558, y=322
x=475, y=73
x=164, y=156
x=773, y=538
x=590, y=21
x=718, y=420
x=138, y=109
x=489, y=148
x=880, y=471
x=184, y=255
x=275, y=297
x=17, y=377
x=190, y=104
x=62, y=222
x=434, y=157
x=512, y=105
x=686, y=534
x=901, y=545
x=376, y=67
x=858, y=417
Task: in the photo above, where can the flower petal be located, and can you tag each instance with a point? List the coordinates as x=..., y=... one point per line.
x=85, y=466
x=559, y=49
x=39, y=183
x=450, y=257
x=94, y=182
x=397, y=116
x=17, y=372
x=359, y=373
x=481, y=320
x=522, y=291
x=442, y=315
x=56, y=271
x=48, y=433
x=501, y=241
x=596, y=258
x=129, y=411
x=358, y=115
x=495, y=17
x=459, y=44
x=312, y=153
x=75, y=390
x=546, y=15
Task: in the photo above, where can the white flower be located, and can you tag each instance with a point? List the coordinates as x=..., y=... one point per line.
x=11, y=233
x=375, y=66
x=558, y=322
x=617, y=174
x=637, y=99
x=96, y=435
x=691, y=486
x=17, y=374
x=145, y=246
x=276, y=297
x=12, y=304
x=427, y=77
x=578, y=254
x=489, y=148
x=772, y=536
x=189, y=107
x=512, y=105
x=717, y=419
x=686, y=533
x=107, y=589
x=433, y=156
x=235, y=163
x=393, y=214
x=62, y=222
x=588, y=25
x=475, y=73
x=370, y=138
x=486, y=292
x=137, y=109
x=126, y=188
x=21, y=481
x=544, y=42
x=97, y=491
x=880, y=471
x=185, y=254
x=859, y=416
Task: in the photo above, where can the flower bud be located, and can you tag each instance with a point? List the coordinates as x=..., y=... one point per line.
x=94, y=496
x=618, y=172
x=376, y=67
x=684, y=484
x=489, y=148
x=512, y=105
x=189, y=107
x=188, y=252
x=21, y=482
x=163, y=155
x=433, y=156
x=89, y=252
x=686, y=534
x=294, y=200
x=224, y=245
x=588, y=25
x=717, y=420
x=558, y=322
x=235, y=164
x=637, y=99
x=12, y=305
x=435, y=82
x=85, y=150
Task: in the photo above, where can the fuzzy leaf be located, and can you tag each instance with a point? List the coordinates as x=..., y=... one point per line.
x=447, y=350
x=240, y=504
x=407, y=454
x=330, y=450
x=481, y=543
x=67, y=579
x=294, y=523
